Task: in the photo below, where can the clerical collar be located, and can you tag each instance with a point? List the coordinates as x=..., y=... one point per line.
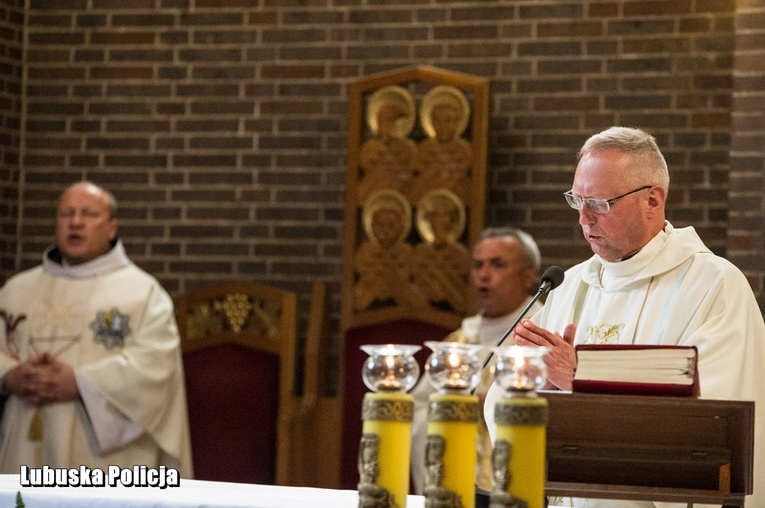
x=112, y=260
x=494, y=328
x=612, y=270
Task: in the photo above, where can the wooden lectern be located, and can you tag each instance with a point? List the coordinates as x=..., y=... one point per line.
x=675, y=449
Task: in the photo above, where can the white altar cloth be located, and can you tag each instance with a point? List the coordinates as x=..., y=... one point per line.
x=191, y=493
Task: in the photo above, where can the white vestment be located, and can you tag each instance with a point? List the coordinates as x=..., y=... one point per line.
x=474, y=330
x=673, y=292
x=115, y=325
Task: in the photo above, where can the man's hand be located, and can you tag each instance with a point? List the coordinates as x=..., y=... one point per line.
x=55, y=381
x=22, y=380
x=561, y=360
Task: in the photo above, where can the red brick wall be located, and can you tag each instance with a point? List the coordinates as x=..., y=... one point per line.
x=746, y=227
x=11, y=38
x=220, y=124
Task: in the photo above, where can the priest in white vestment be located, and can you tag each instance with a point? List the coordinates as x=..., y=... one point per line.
x=649, y=283
x=505, y=270
x=90, y=353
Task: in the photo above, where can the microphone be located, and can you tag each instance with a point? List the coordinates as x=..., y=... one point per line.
x=551, y=279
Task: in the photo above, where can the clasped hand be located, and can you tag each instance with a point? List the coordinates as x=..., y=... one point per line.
x=561, y=360
x=42, y=380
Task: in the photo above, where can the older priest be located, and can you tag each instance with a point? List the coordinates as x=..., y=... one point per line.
x=649, y=283
x=90, y=353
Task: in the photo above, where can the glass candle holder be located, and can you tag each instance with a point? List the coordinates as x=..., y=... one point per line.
x=520, y=370
x=454, y=367
x=390, y=367
x=385, y=449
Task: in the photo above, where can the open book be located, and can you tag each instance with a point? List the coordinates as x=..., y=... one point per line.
x=637, y=369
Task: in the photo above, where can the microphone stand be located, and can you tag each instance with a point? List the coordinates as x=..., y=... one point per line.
x=544, y=288
x=551, y=279
x=482, y=496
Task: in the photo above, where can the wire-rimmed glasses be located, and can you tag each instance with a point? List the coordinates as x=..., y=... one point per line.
x=597, y=205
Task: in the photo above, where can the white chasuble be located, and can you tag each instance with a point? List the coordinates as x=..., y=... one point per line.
x=673, y=292
x=115, y=325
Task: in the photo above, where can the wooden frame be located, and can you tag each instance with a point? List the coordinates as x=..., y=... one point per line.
x=424, y=179
x=674, y=449
x=419, y=79
x=315, y=420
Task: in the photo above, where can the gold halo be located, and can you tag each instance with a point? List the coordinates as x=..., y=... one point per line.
x=396, y=96
x=438, y=95
x=388, y=199
x=440, y=197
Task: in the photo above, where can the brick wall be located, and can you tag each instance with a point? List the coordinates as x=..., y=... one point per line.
x=746, y=230
x=11, y=38
x=220, y=124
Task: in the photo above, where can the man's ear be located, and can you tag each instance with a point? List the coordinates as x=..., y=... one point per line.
x=657, y=197
x=530, y=279
x=112, y=229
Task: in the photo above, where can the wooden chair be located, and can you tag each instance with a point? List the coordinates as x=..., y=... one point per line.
x=402, y=290
x=239, y=346
x=311, y=425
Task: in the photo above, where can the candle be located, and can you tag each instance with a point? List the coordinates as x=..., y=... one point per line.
x=519, y=454
x=386, y=440
x=450, y=454
x=385, y=448
x=454, y=369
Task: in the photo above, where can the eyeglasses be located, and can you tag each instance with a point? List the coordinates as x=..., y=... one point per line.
x=597, y=205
